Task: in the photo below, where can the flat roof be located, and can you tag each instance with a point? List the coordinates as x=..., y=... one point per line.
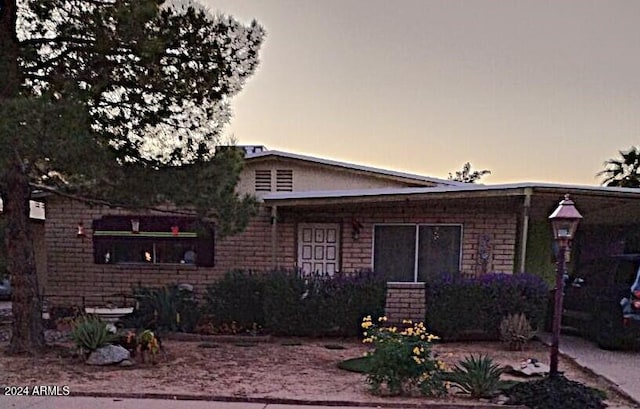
x=458, y=190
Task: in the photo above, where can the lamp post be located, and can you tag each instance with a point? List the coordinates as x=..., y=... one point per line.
x=564, y=221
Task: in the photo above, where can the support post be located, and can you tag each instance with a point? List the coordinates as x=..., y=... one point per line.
x=274, y=236
x=557, y=311
x=525, y=229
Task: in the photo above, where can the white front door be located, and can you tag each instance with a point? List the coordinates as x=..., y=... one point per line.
x=318, y=245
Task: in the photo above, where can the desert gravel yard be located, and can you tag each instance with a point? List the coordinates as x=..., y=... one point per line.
x=282, y=368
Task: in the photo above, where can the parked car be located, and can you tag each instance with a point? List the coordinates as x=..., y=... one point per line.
x=602, y=301
x=5, y=289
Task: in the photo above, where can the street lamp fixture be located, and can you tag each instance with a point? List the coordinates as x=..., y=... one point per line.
x=564, y=221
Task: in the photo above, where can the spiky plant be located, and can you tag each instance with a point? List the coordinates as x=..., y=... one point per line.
x=477, y=376
x=516, y=331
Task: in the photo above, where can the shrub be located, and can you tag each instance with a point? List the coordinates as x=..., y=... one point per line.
x=402, y=360
x=320, y=305
x=516, y=331
x=169, y=308
x=236, y=301
x=556, y=393
x=90, y=333
x=478, y=377
x=458, y=306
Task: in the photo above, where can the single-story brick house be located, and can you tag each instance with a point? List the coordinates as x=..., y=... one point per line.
x=328, y=216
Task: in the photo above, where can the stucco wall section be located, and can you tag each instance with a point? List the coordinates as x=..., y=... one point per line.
x=314, y=177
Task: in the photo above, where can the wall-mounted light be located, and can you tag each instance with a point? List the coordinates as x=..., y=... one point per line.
x=135, y=225
x=80, y=229
x=356, y=226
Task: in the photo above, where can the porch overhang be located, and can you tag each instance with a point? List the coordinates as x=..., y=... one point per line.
x=363, y=196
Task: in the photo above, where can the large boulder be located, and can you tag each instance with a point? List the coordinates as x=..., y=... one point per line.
x=108, y=355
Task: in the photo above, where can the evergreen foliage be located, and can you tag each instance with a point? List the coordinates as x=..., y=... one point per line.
x=120, y=102
x=473, y=308
x=624, y=172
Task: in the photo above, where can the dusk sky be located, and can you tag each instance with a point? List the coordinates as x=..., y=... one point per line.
x=532, y=90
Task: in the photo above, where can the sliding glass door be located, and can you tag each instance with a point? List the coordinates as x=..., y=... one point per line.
x=416, y=252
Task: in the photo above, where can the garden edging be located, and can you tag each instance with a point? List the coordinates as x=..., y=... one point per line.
x=283, y=401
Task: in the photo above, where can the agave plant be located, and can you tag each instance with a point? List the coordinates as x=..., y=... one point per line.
x=90, y=333
x=477, y=376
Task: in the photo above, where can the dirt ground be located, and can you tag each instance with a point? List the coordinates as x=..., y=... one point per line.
x=282, y=368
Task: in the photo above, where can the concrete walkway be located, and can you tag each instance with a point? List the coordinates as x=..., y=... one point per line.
x=621, y=368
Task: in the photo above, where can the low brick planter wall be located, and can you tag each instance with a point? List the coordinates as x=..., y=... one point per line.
x=405, y=301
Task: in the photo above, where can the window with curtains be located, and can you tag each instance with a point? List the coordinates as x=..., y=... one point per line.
x=152, y=240
x=410, y=252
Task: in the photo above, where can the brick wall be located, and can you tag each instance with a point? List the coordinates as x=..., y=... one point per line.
x=405, y=301
x=72, y=274
x=486, y=228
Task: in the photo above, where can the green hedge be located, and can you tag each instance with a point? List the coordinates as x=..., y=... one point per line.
x=284, y=303
x=465, y=308
x=237, y=297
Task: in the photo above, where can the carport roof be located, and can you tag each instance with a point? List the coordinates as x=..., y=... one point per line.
x=441, y=192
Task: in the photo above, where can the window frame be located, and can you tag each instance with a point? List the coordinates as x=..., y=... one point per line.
x=200, y=238
x=416, y=243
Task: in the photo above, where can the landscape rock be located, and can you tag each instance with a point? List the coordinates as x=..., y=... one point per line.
x=529, y=367
x=126, y=362
x=108, y=355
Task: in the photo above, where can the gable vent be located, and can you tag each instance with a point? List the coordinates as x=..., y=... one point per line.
x=284, y=180
x=263, y=180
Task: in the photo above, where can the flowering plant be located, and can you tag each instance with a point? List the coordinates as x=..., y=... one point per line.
x=402, y=359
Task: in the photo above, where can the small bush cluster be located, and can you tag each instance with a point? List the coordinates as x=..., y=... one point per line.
x=402, y=360
x=235, y=302
x=285, y=303
x=142, y=344
x=516, y=331
x=319, y=306
x=556, y=393
x=169, y=308
x=460, y=308
x=279, y=302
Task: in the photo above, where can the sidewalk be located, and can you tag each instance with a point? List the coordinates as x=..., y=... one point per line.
x=621, y=368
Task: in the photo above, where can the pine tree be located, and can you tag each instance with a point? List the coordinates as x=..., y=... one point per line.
x=118, y=101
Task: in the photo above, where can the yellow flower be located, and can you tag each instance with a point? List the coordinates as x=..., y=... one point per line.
x=393, y=329
x=382, y=319
x=366, y=324
x=415, y=358
x=416, y=351
x=407, y=322
x=367, y=340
